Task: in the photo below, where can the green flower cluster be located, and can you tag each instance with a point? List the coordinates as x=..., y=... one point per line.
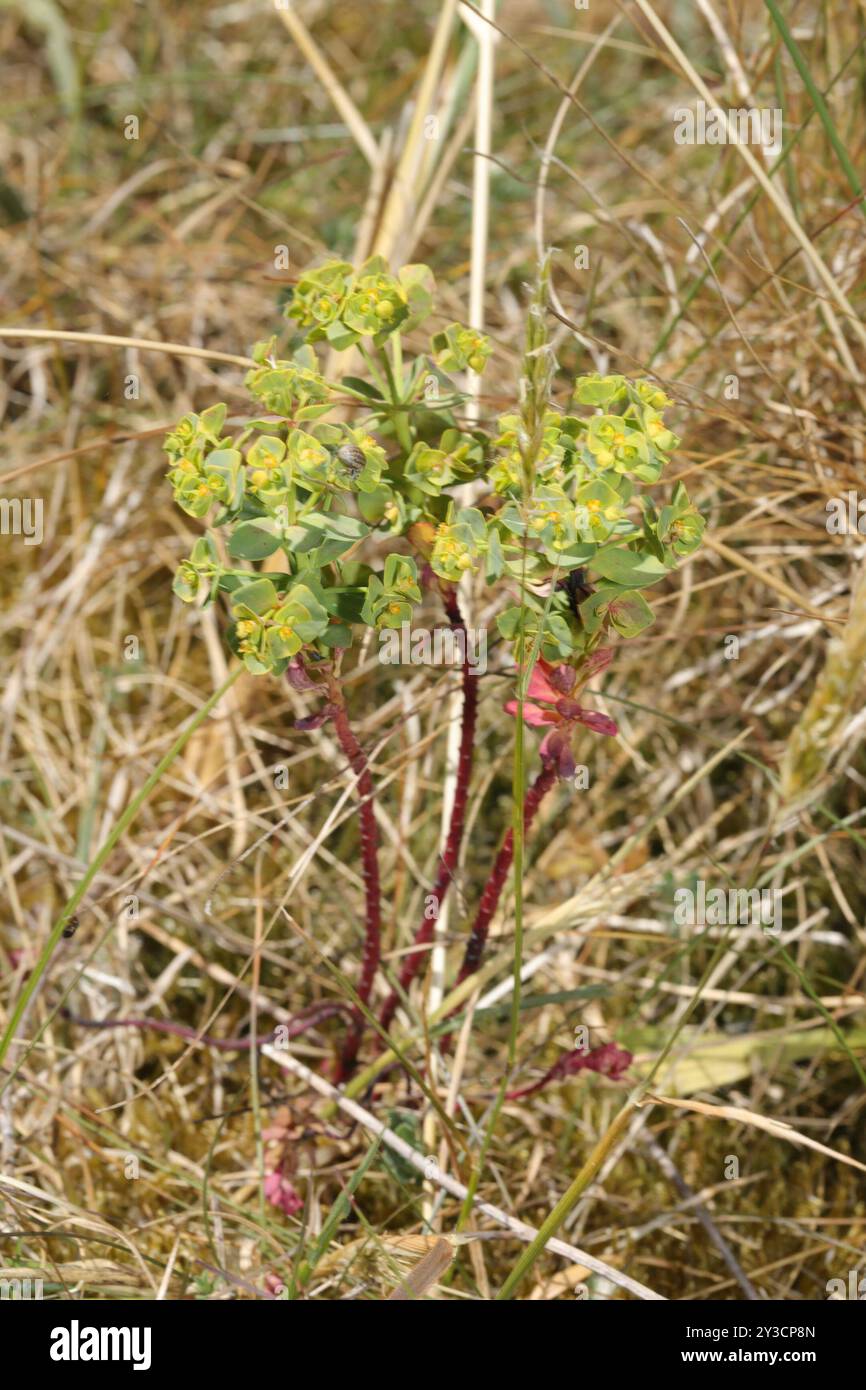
x=588, y=511
x=343, y=306
x=292, y=389
x=271, y=627
x=569, y=520
x=388, y=601
x=204, y=467
x=458, y=348
x=457, y=459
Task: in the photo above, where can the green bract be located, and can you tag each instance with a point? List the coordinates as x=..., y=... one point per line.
x=270, y=626
x=680, y=525
x=198, y=569
x=431, y=470
x=293, y=389
x=320, y=295
x=346, y=490
x=216, y=477
x=458, y=348
x=458, y=544
x=375, y=303
x=389, y=600
x=344, y=306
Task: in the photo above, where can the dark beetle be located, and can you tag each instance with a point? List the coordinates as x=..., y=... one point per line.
x=576, y=587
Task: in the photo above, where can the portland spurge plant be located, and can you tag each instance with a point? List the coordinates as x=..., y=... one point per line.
x=347, y=489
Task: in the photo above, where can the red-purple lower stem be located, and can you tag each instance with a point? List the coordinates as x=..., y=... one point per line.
x=499, y=873
x=307, y=1018
x=370, y=869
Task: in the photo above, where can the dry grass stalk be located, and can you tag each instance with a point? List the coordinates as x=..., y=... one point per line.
x=819, y=733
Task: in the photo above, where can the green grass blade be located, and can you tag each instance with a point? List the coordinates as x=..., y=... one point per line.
x=120, y=828
x=816, y=98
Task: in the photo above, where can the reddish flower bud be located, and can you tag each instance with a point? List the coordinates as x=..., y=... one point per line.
x=280, y=1193
x=598, y=661
x=599, y=723
x=297, y=675
x=556, y=748
x=562, y=678
x=608, y=1060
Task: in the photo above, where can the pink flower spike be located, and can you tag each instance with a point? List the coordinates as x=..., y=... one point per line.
x=609, y=1060
x=280, y=1193
x=539, y=688
x=566, y=710
x=556, y=748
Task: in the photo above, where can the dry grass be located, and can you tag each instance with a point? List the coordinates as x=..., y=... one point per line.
x=132, y=1161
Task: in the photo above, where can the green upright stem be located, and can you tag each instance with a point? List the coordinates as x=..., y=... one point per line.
x=817, y=99
x=568, y=1199
x=518, y=828
x=401, y=424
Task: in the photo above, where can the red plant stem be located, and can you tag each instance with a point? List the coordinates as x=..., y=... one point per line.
x=451, y=853
x=370, y=868
x=499, y=873
x=307, y=1018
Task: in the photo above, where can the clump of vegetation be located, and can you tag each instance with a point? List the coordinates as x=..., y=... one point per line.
x=567, y=526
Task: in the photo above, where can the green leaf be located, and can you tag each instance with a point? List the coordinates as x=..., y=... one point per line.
x=330, y=549
x=631, y=569
x=495, y=565
x=302, y=539
x=336, y=524
x=372, y=505
x=222, y=460
x=340, y=337
x=305, y=595
x=365, y=388
x=572, y=557
x=627, y=611
x=213, y=419
x=347, y=603
x=474, y=519
x=630, y=614
x=254, y=540
x=337, y=635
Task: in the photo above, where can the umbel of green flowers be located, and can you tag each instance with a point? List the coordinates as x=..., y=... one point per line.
x=295, y=479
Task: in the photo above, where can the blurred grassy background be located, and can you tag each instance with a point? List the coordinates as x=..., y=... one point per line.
x=171, y=237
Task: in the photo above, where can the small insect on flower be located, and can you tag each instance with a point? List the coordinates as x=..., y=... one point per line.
x=71, y=927
x=352, y=458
